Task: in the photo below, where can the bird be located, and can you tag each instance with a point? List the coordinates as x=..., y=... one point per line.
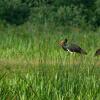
x=72, y=48
x=97, y=53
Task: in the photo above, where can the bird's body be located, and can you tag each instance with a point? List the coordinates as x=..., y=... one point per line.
x=71, y=47
x=97, y=53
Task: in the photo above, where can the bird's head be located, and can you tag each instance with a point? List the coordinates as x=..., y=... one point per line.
x=63, y=42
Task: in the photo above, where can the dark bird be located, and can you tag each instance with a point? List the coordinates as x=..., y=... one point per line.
x=97, y=53
x=71, y=47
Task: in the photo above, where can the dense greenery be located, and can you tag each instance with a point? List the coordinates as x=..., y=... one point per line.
x=34, y=67
x=14, y=12
x=61, y=12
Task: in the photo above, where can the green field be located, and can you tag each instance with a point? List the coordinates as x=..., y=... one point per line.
x=34, y=67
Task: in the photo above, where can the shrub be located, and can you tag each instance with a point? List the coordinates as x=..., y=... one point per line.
x=14, y=12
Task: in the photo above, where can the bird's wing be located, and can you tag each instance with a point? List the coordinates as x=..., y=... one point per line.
x=76, y=48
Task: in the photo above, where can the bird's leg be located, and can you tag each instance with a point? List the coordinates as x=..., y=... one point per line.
x=81, y=59
x=73, y=60
x=70, y=60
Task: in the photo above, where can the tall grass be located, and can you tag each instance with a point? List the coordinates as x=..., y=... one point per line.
x=34, y=67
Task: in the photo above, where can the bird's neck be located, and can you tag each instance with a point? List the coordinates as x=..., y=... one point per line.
x=65, y=45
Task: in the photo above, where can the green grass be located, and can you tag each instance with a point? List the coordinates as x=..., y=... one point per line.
x=34, y=67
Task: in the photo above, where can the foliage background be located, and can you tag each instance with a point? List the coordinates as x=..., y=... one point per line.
x=74, y=13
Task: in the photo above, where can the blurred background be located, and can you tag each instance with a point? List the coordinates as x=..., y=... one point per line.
x=72, y=14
